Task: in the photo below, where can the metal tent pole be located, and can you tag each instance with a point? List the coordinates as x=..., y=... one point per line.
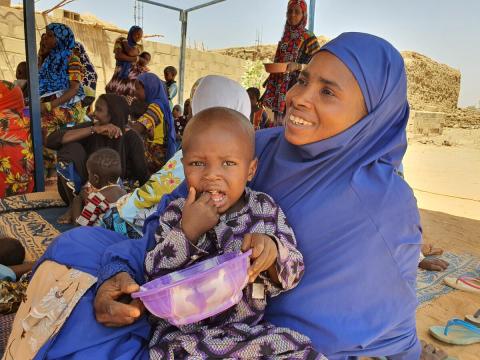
x=33, y=92
x=183, y=54
x=311, y=16
x=183, y=44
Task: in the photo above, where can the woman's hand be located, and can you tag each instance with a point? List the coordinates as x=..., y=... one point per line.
x=110, y=130
x=264, y=255
x=293, y=66
x=109, y=311
x=139, y=128
x=199, y=215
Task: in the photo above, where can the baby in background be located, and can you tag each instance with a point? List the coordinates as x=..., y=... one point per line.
x=222, y=215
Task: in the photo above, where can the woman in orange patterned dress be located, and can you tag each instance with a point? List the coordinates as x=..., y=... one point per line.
x=16, y=157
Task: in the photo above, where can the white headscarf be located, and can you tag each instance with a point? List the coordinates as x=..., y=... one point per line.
x=214, y=90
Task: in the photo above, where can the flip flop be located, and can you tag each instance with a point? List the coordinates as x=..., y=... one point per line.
x=464, y=283
x=474, y=319
x=457, y=332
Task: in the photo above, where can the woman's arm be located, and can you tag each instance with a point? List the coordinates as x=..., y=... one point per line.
x=123, y=52
x=109, y=130
x=121, y=56
x=67, y=95
x=130, y=50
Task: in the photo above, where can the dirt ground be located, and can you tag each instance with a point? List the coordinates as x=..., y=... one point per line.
x=444, y=172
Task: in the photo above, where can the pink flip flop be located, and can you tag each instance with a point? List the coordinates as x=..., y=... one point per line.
x=464, y=283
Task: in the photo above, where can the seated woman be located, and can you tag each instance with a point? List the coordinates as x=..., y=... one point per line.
x=156, y=124
x=16, y=157
x=61, y=90
x=74, y=146
x=332, y=168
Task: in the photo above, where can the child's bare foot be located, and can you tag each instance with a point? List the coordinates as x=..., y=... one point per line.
x=430, y=250
x=66, y=218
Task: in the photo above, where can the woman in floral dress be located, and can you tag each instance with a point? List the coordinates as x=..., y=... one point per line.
x=16, y=157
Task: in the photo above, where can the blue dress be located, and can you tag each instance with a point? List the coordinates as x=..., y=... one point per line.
x=355, y=219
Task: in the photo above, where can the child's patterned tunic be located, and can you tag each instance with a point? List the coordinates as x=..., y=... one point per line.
x=239, y=332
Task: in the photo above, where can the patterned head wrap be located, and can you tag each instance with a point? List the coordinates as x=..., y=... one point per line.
x=53, y=74
x=90, y=76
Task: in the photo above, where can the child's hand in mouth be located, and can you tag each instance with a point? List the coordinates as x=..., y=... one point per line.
x=200, y=215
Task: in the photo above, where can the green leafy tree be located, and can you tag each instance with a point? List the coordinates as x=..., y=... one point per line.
x=254, y=75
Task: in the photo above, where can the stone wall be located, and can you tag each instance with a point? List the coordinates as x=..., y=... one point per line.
x=99, y=45
x=431, y=83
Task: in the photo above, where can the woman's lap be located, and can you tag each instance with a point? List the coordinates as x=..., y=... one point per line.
x=82, y=336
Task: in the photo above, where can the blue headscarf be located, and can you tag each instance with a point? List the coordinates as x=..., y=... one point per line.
x=356, y=220
x=155, y=92
x=127, y=65
x=53, y=75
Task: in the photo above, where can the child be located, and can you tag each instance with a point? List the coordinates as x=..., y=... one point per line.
x=180, y=121
x=12, y=253
x=170, y=73
x=141, y=65
x=221, y=215
x=104, y=170
x=144, y=59
x=21, y=76
x=258, y=117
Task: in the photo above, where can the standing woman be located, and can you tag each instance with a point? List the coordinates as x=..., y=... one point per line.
x=61, y=90
x=297, y=47
x=127, y=53
x=16, y=157
x=156, y=125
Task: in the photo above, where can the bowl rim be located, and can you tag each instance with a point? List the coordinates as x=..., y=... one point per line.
x=144, y=293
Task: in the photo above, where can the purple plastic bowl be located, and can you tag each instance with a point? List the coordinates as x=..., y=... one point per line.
x=198, y=292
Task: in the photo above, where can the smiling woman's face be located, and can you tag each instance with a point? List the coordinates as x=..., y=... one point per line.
x=326, y=101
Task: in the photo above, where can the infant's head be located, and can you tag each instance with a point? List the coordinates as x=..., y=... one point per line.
x=144, y=58
x=11, y=251
x=104, y=168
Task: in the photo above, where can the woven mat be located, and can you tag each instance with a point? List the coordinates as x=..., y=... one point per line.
x=32, y=219
x=430, y=283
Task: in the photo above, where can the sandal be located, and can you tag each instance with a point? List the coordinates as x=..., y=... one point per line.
x=457, y=332
x=474, y=319
x=464, y=283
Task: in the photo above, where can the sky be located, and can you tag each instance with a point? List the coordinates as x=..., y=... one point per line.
x=447, y=31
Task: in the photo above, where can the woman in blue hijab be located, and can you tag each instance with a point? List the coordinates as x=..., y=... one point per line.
x=333, y=171
x=156, y=124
